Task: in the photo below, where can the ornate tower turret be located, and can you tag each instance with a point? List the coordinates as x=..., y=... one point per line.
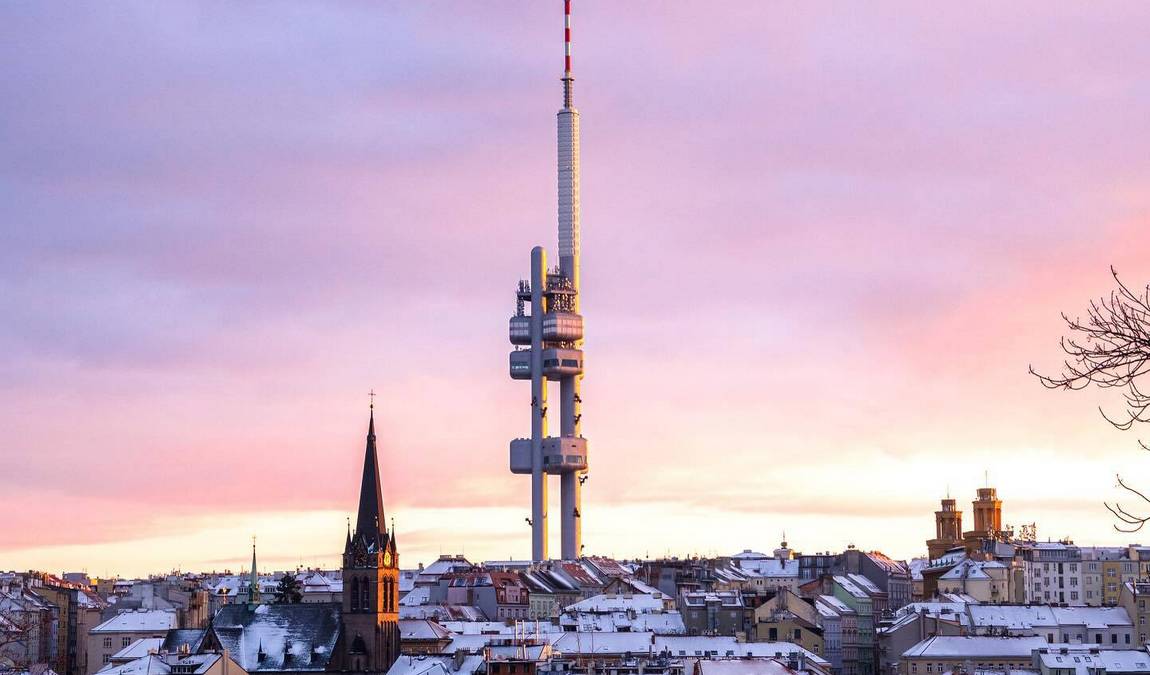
x=370, y=577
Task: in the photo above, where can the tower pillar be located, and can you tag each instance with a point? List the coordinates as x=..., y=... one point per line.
x=538, y=406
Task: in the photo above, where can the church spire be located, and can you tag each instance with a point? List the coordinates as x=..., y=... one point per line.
x=254, y=579
x=370, y=524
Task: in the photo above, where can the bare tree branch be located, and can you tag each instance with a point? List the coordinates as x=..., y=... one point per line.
x=1110, y=349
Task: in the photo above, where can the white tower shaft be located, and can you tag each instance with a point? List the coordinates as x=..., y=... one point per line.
x=570, y=497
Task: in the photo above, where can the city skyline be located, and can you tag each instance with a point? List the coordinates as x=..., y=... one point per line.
x=823, y=249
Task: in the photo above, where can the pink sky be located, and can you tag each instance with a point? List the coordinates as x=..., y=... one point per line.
x=821, y=246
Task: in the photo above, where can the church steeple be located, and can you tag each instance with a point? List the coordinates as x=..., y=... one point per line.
x=370, y=526
x=370, y=573
x=254, y=579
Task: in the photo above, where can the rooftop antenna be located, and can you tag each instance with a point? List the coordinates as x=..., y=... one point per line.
x=568, y=78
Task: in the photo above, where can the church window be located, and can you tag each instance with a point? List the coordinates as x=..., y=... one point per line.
x=364, y=595
x=354, y=594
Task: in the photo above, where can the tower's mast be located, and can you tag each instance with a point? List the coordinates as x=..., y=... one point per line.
x=570, y=499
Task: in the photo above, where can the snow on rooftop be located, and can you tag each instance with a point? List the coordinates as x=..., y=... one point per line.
x=141, y=647
x=834, y=603
x=605, y=603
x=966, y=646
x=723, y=645
x=435, y=665
x=743, y=667
x=138, y=621
x=770, y=567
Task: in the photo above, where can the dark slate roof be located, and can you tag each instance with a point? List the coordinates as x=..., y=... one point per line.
x=178, y=637
x=290, y=637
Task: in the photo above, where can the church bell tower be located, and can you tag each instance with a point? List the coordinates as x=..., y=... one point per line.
x=370, y=577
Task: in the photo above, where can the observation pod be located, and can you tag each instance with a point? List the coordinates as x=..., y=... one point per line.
x=557, y=363
x=562, y=327
x=561, y=454
x=557, y=327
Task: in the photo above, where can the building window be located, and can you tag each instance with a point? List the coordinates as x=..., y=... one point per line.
x=107, y=658
x=107, y=644
x=124, y=642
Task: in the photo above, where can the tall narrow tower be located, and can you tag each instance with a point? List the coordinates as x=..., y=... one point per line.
x=370, y=577
x=549, y=344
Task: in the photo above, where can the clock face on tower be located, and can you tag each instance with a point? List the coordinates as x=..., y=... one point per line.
x=387, y=558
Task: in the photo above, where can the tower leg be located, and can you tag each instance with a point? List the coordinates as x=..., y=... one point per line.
x=538, y=407
x=569, y=499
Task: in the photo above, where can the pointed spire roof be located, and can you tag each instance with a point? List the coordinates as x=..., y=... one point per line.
x=370, y=523
x=254, y=579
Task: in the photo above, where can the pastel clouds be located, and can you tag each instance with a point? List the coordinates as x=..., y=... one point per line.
x=821, y=247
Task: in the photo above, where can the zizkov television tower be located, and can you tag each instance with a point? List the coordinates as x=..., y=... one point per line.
x=548, y=343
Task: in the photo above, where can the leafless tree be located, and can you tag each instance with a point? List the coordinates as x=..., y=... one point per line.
x=16, y=628
x=1110, y=349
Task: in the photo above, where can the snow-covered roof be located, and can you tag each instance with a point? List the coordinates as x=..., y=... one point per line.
x=866, y=584
x=141, y=647
x=1015, y=617
x=888, y=564
x=442, y=612
x=701, y=598
x=420, y=595
x=603, y=643
x=834, y=603
x=139, y=621
x=290, y=637
x=1085, y=659
x=848, y=585
x=973, y=569
x=934, y=608
x=609, y=602
x=771, y=567
x=724, y=645
x=161, y=664
x=743, y=667
x=152, y=664
x=663, y=623
x=1092, y=617
x=422, y=629
x=436, y=665
x=498, y=627
x=178, y=638
x=916, y=567
x=471, y=643
x=966, y=646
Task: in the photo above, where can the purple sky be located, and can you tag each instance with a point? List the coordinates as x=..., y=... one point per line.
x=821, y=246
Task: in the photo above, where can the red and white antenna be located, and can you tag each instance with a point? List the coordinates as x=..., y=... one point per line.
x=567, y=77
